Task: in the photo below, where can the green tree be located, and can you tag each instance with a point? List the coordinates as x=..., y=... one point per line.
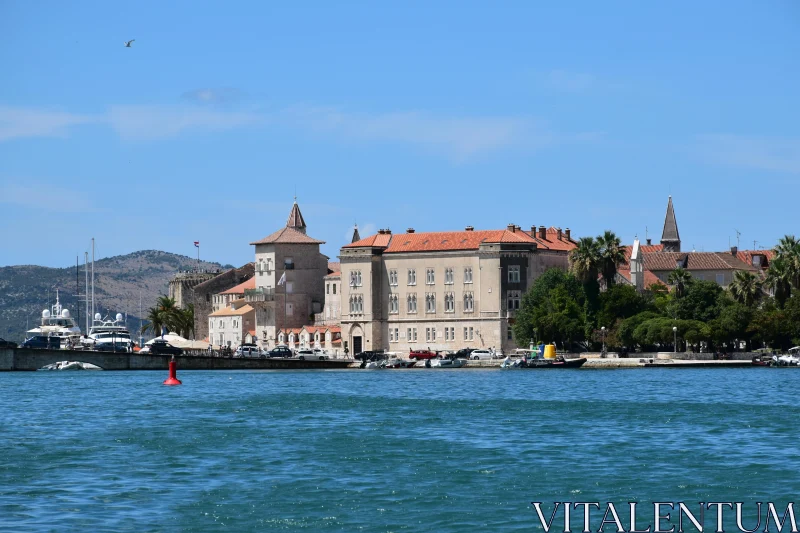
x=551, y=310
x=732, y=324
x=680, y=279
x=788, y=251
x=746, y=288
x=584, y=263
x=702, y=301
x=779, y=279
x=611, y=256
x=619, y=302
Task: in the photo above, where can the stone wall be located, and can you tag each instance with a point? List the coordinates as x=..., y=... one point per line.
x=201, y=295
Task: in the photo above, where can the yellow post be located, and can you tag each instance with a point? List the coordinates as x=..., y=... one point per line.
x=550, y=351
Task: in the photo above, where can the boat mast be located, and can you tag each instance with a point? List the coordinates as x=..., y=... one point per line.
x=86, y=287
x=92, y=278
x=78, y=287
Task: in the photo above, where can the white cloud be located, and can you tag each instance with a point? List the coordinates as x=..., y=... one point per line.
x=17, y=122
x=761, y=153
x=458, y=137
x=160, y=122
x=213, y=95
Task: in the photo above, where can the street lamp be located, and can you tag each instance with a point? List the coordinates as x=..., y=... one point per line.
x=603, y=331
x=675, y=335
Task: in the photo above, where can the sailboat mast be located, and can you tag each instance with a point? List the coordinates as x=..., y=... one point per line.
x=92, y=278
x=86, y=287
x=78, y=287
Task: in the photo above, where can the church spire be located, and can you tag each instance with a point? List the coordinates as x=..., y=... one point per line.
x=356, y=236
x=670, y=239
x=296, y=218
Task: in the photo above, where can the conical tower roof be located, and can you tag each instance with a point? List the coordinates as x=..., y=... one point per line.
x=356, y=236
x=670, y=238
x=295, y=220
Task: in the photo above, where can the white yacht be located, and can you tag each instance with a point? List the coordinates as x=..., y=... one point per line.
x=109, y=335
x=57, y=330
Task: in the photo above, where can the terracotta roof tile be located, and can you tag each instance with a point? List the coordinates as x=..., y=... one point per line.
x=746, y=256
x=334, y=267
x=288, y=236
x=551, y=240
x=446, y=240
x=240, y=288
x=227, y=311
x=694, y=261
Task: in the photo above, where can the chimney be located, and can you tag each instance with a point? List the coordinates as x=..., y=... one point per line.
x=734, y=250
x=380, y=232
x=410, y=230
x=511, y=227
x=567, y=233
x=558, y=234
x=542, y=233
x=387, y=231
x=469, y=228
x=533, y=231
x=649, y=242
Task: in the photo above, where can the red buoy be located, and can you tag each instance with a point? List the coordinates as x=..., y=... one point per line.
x=172, y=380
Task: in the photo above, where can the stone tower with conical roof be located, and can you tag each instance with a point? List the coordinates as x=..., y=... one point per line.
x=670, y=239
x=295, y=220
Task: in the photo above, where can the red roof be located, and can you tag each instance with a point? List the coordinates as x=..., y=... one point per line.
x=552, y=242
x=288, y=236
x=694, y=261
x=746, y=256
x=459, y=240
x=239, y=289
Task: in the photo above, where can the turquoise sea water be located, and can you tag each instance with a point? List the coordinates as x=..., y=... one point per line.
x=393, y=450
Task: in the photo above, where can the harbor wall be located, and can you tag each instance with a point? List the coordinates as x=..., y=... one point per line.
x=27, y=360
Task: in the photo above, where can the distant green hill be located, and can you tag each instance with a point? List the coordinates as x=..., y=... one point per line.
x=26, y=290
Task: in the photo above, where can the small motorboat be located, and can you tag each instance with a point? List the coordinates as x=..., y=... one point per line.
x=400, y=363
x=70, y=365
x=785, y=360
x=558, y=362
x=447, y=363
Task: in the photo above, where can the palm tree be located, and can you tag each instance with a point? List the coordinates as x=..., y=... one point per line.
x=612, y=255
x=788, y=248
x=746, y=288
x=779, y=279
x=155, y=321
x=584, y=260
x=680, y=279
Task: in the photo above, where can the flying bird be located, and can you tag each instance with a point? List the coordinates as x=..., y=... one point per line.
x=128, y=43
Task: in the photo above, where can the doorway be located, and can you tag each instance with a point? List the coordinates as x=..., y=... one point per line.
x=357, y=345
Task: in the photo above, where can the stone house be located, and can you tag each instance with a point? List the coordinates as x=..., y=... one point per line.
x=442, y=290
x=228, y=326
x=289, y=280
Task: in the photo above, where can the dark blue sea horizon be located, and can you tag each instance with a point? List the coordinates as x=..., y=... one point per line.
x=391, y=450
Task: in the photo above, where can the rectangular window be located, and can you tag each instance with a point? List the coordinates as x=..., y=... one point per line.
x=289, y=287
x=327, y=288
x=396, y=334
x=355, y=278
x=391, y=335
x=412, y=276
x=452, y=334
x=393, y=278
x=720, y=279
x=411, y=303
x=430, y=276
x=414, y=331
x=468, y=275
x=510, y=334
x=448, y=276
x=408, y=334
x=430, y=303
x=470, y=333
x=428, y=334
x=334, y=288
x=466, y=338
x=513, y=274
x=288, y=263
x=513, y=300
x=446, y=334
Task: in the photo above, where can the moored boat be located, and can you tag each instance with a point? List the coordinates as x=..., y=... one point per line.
x=447, y=363
x=58, y=330
x=558, y=362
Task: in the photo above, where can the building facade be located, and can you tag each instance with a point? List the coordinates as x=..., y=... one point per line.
x=229, y=326
x=289, y=280
x=444, y=290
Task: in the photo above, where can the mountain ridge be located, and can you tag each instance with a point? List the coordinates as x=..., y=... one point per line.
x=26, y=290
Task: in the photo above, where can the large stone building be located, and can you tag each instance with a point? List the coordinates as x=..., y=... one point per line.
x=444, y=290
x=203, y=295
x=289, y=279
x=229, y=325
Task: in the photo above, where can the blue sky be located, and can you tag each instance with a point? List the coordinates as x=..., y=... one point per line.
x=584, y=116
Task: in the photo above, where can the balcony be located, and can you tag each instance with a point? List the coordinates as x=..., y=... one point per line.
x=259, y=295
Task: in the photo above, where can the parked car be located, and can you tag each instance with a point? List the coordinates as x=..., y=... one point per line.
x=422, y=354
x=370, y=356
x=42, y=342
x=463, y=353
x=280, y=351
x=161, y=347
x=247, y=350
x=480, y=354
x=322, y=354
x=308, y=353
x=7, y=344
